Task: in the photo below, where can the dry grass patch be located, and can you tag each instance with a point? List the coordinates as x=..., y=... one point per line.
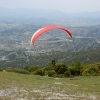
x=33, y=87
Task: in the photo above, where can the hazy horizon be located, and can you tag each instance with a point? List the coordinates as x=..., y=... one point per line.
x=68, y=6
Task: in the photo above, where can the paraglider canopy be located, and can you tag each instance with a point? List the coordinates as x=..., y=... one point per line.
x=45, y=29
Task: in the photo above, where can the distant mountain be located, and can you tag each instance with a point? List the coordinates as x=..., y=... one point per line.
x=28, y=13
x=45, y=17
x=95, y=14
x=44, y=13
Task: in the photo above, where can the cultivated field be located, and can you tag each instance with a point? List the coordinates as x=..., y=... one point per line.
x=15, y=86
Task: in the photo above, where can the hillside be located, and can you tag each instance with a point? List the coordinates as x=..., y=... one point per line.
x=16, y=50
x=18, y=36
x=21, y=59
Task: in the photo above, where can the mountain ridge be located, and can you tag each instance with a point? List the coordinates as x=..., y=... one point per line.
x=46, y=13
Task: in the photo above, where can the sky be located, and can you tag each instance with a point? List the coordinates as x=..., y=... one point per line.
x=68, y=6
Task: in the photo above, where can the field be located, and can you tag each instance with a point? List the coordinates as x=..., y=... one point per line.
x=15, y=86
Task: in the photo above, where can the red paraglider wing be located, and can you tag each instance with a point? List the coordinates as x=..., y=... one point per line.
x=45, y=29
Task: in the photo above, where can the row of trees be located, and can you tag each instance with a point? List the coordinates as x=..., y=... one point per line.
x=60, y=69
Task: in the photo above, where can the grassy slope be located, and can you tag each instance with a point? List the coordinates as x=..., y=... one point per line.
x=29, y=87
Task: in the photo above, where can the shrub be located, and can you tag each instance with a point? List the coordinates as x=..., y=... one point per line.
x=67, y=73
x=51, y=73
x=31, y=68
x=47, y=68
x=39, y=72
x=90, y=70
x=21, y=71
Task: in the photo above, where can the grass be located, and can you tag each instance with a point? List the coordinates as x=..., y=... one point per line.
x=15, y=86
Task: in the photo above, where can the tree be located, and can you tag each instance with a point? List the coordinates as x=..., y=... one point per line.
x=75, y=68
x=50, y=66
x=60, y=68
x=53, y=62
